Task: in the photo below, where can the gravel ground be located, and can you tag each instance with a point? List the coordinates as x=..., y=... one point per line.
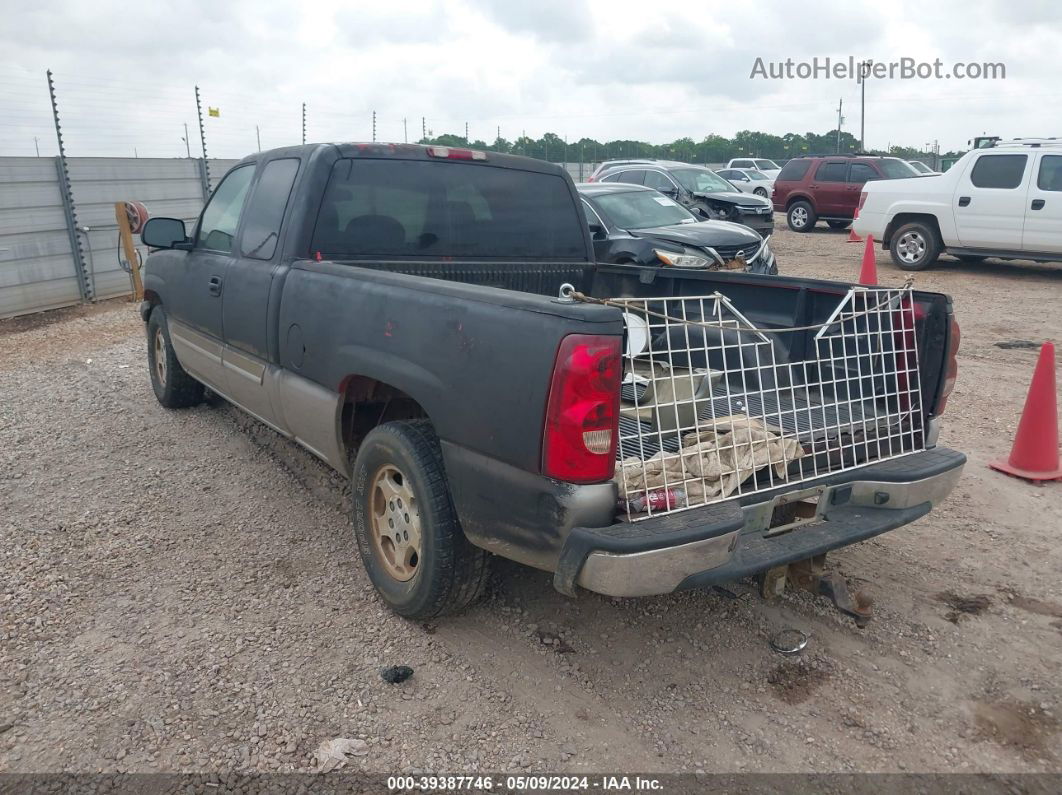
x=181, y=591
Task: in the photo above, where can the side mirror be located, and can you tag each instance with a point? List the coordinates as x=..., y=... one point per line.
x=165, y=233
x=597, y=231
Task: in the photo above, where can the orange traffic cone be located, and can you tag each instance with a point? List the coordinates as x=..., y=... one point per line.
x=868, y=273
x=1035, y=452
x=852, y=236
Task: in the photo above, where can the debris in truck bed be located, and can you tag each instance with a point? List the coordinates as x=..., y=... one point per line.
x=713, y=462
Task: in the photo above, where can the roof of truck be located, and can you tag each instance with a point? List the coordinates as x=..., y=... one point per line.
x=380, y=150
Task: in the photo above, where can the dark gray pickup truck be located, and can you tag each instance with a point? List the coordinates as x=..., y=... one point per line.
x=431, y=323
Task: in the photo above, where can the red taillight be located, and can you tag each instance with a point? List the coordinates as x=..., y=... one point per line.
x=862, y=200
x=582, y=415
x=456, y=154
x=951, y=371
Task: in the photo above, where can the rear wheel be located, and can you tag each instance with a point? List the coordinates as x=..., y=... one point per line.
x=410, y=541
x=914, y=247
x=173, y=387
x=801, y=217
x=838, y=224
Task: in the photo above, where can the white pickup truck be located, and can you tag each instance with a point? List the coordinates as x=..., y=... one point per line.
x=1004, y=201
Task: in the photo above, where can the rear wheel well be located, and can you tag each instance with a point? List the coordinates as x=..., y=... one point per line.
x=907, y=218
x=368, y=402
x=799, y=197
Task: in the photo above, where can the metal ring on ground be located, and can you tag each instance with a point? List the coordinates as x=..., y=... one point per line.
x=789, y=641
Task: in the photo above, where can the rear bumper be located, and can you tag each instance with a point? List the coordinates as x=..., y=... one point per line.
x=724, y=542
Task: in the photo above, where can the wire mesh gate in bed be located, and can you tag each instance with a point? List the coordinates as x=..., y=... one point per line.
x=712, y=408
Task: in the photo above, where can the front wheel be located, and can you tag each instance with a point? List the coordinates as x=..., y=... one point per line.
x=173, y=387
x=761, y=192
x=914, y=247
x=801, y=217
x=407, y=530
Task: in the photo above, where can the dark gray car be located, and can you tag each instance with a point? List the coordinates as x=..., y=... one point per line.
x=700, y=190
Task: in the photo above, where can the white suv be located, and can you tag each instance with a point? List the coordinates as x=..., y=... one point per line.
x=1004, y=201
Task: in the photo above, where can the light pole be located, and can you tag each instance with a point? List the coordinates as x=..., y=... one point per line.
x=864, y=70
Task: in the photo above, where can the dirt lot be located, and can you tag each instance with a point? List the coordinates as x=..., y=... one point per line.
x=181, y=591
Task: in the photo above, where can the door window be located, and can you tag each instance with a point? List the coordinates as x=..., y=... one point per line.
x=266, y=210
x=657, y=181
x=998, y=171
x=831, y=172
x=217, y=228
x=860, y=173
x=1050, y=177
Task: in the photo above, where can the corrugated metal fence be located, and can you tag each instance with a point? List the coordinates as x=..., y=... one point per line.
x=38, y=269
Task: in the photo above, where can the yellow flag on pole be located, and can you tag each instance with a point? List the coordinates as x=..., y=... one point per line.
x=215, y=112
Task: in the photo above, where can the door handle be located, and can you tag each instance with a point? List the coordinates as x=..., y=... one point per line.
x=215, y=285
x=1038, y=204
x=964, y=201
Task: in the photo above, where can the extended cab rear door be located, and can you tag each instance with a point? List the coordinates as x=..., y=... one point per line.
x=1043, y=209
x=990, y=200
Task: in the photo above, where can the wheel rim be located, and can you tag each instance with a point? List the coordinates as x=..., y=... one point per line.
x=760, y=192
x=911, y=247
x=799, y=216
x=160, y=356
x=395, y=523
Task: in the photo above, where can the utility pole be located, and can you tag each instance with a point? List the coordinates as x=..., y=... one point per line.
x=374, y=126
x=840, y=121
x=187, y=145
x=405, y=131
x=36, y=146
x=498, y=136
x=864, y=71
x=466, y=132
x=423, y=129
x=258, y=137
x=304, y=124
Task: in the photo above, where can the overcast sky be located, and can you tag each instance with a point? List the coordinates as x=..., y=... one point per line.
x=605, y=69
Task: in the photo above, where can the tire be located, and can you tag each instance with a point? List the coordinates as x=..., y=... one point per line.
x=436, y=570
x=173, y=387
x=973, y=259
x=761, y=192
x=838, y=224
x=801, y=216
x=914, y=246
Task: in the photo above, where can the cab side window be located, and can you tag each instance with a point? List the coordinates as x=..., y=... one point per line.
x=1050, y=177
x=266, y=210
x=998, y=171
x=217, y=228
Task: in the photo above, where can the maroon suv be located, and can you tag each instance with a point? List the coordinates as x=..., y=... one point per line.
x=826, y=188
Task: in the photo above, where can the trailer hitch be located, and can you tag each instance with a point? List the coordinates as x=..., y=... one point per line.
x=811, y=575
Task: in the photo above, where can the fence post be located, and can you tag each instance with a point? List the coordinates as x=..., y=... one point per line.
x=66, y=192
x=204, y=166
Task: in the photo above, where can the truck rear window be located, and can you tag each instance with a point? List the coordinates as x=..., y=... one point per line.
x=418, y=209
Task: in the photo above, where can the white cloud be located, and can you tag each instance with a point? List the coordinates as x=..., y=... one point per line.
x=598, y=68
